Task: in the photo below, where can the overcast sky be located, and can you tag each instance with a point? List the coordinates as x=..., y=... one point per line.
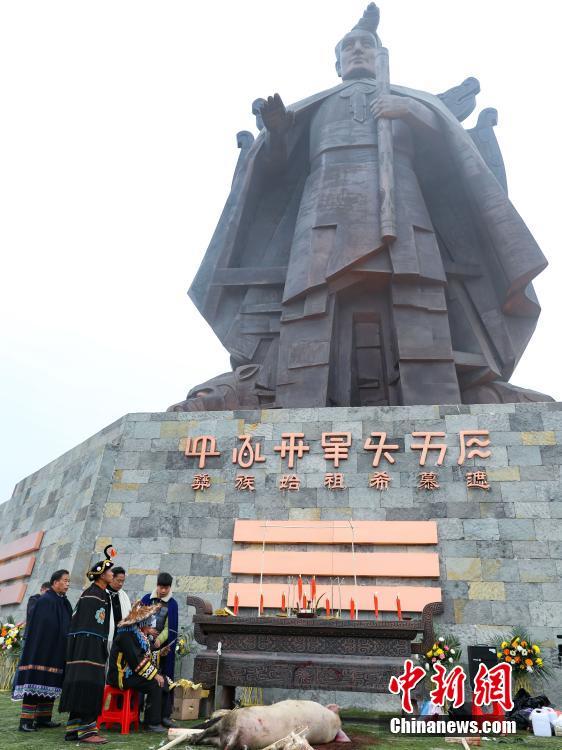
x=117, y=146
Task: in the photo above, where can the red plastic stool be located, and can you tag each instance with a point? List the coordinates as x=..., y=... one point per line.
x=119, y=707
x=496, y=713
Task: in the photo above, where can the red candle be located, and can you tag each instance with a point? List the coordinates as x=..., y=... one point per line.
x=261, y=604
x=376, y=607
x=352, y=609
x=299, y=589
x=304, y=602
x=283, y=603
x=236, y=602
x=313, y=589
x=398, y=608
x=327, y=607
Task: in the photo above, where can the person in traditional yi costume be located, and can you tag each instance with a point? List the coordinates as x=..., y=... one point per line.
x=131, y=662
x=82, y=690
x=165, y=635
x=40, y=673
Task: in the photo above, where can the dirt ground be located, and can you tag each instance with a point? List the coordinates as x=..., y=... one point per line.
x=358, y=741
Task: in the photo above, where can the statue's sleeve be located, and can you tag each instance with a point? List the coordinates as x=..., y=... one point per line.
x=238, y=287
x=489, y=255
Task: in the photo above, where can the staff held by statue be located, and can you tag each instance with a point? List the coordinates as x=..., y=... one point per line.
x=386, y=153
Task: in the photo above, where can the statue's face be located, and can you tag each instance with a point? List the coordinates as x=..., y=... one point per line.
x=357, y=55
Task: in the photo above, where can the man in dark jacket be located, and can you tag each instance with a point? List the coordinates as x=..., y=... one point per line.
x=32, y=601
x=82, y=691
x=131, y=664
x=40, y=673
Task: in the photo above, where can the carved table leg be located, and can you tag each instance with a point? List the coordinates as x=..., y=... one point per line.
x=207, y=705
x=226, y=696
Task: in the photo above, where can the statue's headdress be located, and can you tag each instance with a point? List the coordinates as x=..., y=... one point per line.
x=97, y=569
x=369, y=21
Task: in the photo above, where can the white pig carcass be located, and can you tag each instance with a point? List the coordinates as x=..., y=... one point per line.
x=257, y=727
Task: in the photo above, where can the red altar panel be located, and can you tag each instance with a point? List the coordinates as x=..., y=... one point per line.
x=336, y=532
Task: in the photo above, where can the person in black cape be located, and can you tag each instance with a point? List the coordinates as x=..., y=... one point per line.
x=34, y=599
x=82, y=690
x=40, y=673
x=131, y=662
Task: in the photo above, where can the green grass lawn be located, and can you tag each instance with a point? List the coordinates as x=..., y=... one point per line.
x=363, y=736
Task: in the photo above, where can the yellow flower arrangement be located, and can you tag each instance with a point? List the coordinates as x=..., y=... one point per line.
x=522, y=654
x=11, y=636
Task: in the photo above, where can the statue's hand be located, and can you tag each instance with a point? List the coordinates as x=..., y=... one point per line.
x=391, y=106
x=276, y=118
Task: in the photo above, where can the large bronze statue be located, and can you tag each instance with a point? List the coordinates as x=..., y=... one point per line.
x=368, y=253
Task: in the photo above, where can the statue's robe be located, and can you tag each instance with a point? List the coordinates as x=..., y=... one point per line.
x=297, y=280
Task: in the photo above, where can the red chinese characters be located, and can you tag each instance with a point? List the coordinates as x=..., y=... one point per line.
x=245, y=482
x=490, y=685
x=380, y=480
x=201, y=482
x=246, y=455
x=290, y=483
x=428, y=481
x=381, y=448
x=336, y=446
x=477, y=479
x=449, y=686
x=334, y=481
x=427, y=446
x=468, y=438
x=292, y=446
x=405, y=683
x=202, y=447
x=493, y=686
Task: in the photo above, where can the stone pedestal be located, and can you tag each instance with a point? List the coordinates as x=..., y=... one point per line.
x=131, y=484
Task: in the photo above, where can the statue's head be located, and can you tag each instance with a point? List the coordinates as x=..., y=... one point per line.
x=355, y=53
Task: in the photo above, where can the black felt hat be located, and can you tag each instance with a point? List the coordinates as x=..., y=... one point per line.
x=97, y=569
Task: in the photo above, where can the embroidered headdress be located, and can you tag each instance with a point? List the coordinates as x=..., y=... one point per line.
x=140, y=614
x=97, y=569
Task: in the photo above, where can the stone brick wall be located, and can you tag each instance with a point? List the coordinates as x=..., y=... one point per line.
x=65, y=499
x=500, y=550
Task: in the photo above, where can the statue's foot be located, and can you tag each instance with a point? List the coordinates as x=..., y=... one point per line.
x=498, y=392
x=239, y=389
